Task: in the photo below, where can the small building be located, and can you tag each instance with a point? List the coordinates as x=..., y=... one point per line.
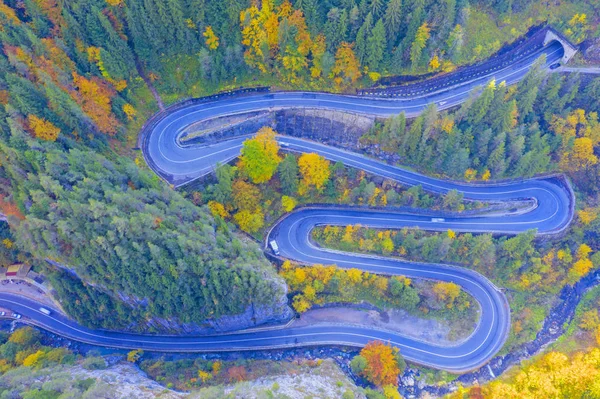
x=16, y=270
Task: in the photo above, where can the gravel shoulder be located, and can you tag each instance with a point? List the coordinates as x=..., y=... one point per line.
x=397, y=320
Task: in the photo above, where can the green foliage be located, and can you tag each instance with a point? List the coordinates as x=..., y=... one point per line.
x=502, y=132
x=358, y=364
x=288, y=175
x=126, y=232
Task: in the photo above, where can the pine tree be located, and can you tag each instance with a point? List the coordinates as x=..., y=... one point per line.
x=376, y=47
x=392, y=20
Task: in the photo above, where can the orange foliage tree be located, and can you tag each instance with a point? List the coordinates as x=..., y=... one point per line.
x=94, y=97
x=236, y=373
x=346, y=69
x=381, y=366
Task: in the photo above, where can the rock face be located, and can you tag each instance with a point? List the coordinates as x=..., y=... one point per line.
x=591, y=50
x=277, y=312
x=329, y=127
x=254, y=316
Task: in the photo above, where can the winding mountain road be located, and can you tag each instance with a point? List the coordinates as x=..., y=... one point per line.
x=180, y=164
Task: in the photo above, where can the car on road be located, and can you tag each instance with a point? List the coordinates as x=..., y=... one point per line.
x=284, y=144
x=555, y=65
x=274, y=247
x=438, y=220
x=16, y=315
x=2, y=314
x=45, y=311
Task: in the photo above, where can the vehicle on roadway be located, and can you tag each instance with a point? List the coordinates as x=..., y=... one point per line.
x=2, y=314
x=438, y=220
x=16, y=315
x=274, y=247
x=555, y=65
x=45, y=311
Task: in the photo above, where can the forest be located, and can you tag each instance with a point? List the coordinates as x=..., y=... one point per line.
x=79, y=78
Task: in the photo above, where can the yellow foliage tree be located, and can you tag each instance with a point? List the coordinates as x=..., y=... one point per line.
x=129, y=111
x=486, y=175
x=42, y=129
x=216, y=367
x=434, y=63
x=34, y=359
x=314, y=170
x=470, y=174
x=260, y=156
x=391, y=392
x=134, y=355
x=582, y=155
x=583, y=264
x=204, y=376
x=381, y=363
x=447, y=292
x=288, y=203
x=217, y=209
x=587, y=216
x=554, y=375
x=249, y=222
x=211, y=39
x=301, y=304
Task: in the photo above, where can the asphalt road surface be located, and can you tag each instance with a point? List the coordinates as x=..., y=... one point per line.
x=180, y=164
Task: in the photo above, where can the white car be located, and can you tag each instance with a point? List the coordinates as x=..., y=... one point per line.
x=16, y=315
x=2, y=314
x=274, y=247
x=437, y=220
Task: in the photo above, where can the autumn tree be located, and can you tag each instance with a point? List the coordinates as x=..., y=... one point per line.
x=447, y=292
x=42, y=129
x=248, y=221
x=288, y=203
x=418, y=45
x=260, y=156
x=582, y=155
x=94, y=97
x=134, y=355
x=553, y=375
x=379, y=363
x=211, y=39
x=582, y=265
x=314, y=170
x=346, y=69
x=246, y=196
x=236, y=374
x=25, y=336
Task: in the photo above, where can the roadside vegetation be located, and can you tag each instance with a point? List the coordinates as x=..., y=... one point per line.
x=23, y=348
x=265, y=184
x=380, y=364
x=319, y=285
x=533, y=273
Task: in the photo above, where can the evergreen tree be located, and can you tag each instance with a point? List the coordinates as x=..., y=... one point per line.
x=376, y=47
